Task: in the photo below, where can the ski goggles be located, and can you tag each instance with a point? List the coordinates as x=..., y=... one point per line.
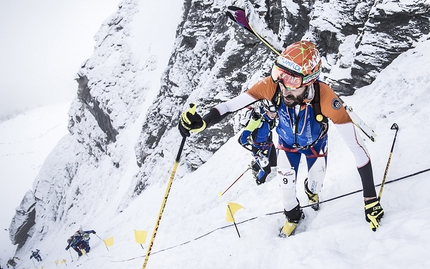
x=292, y=80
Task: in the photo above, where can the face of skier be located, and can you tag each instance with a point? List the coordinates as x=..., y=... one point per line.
x=292, y=96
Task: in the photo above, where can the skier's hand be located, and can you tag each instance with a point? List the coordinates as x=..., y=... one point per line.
x=374, y=212
x=262, y=152
x=191, y=121
x=245, y=138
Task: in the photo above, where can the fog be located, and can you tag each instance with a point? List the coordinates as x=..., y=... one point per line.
x=43, y=43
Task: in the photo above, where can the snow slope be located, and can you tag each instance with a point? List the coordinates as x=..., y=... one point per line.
x=193, y=232
x=25, y=142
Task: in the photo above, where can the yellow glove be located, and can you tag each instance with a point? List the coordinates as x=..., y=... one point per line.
x=191, y=121
x=374, y=212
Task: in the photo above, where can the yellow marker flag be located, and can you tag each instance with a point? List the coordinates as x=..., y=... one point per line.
x=231, y=210
x=109, y=242
x=63, y=261
x=140, y=236
x=56, y=262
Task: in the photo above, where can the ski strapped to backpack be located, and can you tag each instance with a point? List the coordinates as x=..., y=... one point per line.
x=239, y=16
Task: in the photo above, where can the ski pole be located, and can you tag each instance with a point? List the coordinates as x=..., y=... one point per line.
x=163, y=204
x=393, y=127
x=99, y=237
x=71, y=254
x=222, y=193
x=103, y=241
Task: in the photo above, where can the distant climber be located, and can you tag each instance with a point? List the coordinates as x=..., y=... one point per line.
x=80, y=241
x=35, y=254
x=12, y=262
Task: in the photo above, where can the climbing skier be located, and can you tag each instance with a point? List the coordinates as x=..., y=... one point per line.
x=35, y=254
x=258, y=135
x=304, y=106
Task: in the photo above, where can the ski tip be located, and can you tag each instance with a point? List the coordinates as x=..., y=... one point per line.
x=282, y=234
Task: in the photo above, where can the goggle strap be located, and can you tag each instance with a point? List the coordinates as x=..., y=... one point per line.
x=305, y=79
x=288, y=71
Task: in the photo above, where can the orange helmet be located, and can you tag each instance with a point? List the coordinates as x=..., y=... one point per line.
x=298, y=65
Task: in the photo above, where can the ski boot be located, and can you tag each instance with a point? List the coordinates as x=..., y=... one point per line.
x=255, y=168
x=261, y=177
x=313, y=197
x=293, y=219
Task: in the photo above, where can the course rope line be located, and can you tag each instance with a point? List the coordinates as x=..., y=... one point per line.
x=272, y=213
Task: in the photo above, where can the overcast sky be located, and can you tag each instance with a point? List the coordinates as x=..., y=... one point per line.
x=43, y=43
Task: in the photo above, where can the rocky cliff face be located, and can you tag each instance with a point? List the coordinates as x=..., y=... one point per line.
x=212, y=60
x=222, y=59
x=107, y=92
